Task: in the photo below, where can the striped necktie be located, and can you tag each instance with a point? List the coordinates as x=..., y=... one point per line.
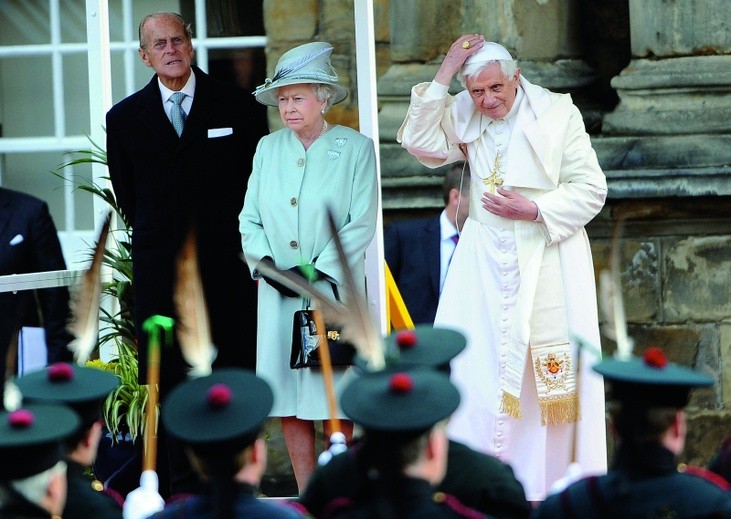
x=177, y=114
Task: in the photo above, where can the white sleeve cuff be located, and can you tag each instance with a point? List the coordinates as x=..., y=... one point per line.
x=436, y=90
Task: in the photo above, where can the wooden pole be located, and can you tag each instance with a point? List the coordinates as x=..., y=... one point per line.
x=327, y=369
x=152, y=326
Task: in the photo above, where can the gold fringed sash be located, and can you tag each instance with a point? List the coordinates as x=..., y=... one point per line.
x=540, y=320
x=556, y=383
x=510, y=405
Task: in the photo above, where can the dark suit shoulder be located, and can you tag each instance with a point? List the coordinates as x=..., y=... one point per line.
x=146, y=95
x=405, y=226
x=19, y=198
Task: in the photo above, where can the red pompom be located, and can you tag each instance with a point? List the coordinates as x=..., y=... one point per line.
x=655, y=357
x=60, y=372
x=21, y=419
x=401, y=383
x=406, y=339
x=219, y=395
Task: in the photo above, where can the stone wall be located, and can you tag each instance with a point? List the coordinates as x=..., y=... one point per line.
x=675, y=268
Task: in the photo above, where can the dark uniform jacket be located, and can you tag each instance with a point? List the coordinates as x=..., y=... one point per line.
x=246, y=505
x=15, y=506
x=473, y=480
x=643, y=484
x=416, y=500
x=163, y=182
x=83, y=501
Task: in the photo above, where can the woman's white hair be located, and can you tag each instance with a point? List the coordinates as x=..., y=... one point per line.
x=325, y=92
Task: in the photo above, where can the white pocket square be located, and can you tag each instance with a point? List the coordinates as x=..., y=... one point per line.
x=18, y=238
x=219, y=132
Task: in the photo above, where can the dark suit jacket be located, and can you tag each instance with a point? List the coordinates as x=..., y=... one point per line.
x=26, y=222
x=412, y=250
x=163, y=183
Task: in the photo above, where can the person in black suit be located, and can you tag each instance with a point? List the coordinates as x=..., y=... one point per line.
x=167, y=183
x=418, y=251
x=29, y=243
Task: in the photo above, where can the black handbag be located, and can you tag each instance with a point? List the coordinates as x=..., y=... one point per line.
x=306, y=343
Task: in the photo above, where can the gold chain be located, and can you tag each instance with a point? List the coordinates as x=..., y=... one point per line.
x=494, y=179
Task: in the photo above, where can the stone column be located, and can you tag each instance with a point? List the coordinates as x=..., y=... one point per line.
x=679, y=80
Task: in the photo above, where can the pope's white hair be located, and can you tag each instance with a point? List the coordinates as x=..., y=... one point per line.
x=472, y=70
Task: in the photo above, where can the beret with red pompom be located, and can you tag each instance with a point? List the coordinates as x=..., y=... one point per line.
x=218, y=414
x=81, y=388
x=424, y=345
x=397, y=402
x=651, y=380
x=30, y=439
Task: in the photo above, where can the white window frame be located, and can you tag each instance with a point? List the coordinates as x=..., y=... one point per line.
x=98, y=49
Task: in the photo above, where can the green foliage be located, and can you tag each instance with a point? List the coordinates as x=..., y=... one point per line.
x=124, y=408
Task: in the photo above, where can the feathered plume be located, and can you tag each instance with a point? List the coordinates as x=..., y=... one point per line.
x=12, y=397
x=84, y=324
x=611, y=302
x=358, y=326
x=362, y=331
x=193, y=329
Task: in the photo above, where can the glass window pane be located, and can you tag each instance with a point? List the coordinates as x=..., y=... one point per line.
x=73, y=21
x=27, y=103
x=76, y=93
x=24, y=22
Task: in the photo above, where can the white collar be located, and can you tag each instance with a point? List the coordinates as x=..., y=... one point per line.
x=447, y=227
x=188, y=89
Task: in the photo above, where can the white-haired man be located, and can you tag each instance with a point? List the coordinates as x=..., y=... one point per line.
x=521, y=283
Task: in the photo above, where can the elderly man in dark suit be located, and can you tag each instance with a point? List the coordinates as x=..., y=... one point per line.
x=29, y=243
x=179, y=154
x=418, y=251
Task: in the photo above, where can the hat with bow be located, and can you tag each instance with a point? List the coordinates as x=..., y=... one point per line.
x=308, y=63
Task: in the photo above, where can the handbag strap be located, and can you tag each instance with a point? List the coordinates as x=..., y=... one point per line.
x=336, y=292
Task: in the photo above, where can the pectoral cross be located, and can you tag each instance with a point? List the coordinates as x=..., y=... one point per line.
x=494, y=179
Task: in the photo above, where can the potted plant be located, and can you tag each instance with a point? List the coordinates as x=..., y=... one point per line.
x=118, y=462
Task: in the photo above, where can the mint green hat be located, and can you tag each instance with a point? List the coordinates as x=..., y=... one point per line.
x=308, y=63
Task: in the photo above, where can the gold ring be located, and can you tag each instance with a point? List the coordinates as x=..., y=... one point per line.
x=466, y=44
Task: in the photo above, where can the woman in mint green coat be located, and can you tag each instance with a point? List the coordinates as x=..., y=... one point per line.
x=299, y=174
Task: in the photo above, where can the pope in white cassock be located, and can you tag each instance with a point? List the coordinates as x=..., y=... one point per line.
x=521, y=284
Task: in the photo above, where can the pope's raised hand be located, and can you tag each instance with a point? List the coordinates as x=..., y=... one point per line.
x=462, y=48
